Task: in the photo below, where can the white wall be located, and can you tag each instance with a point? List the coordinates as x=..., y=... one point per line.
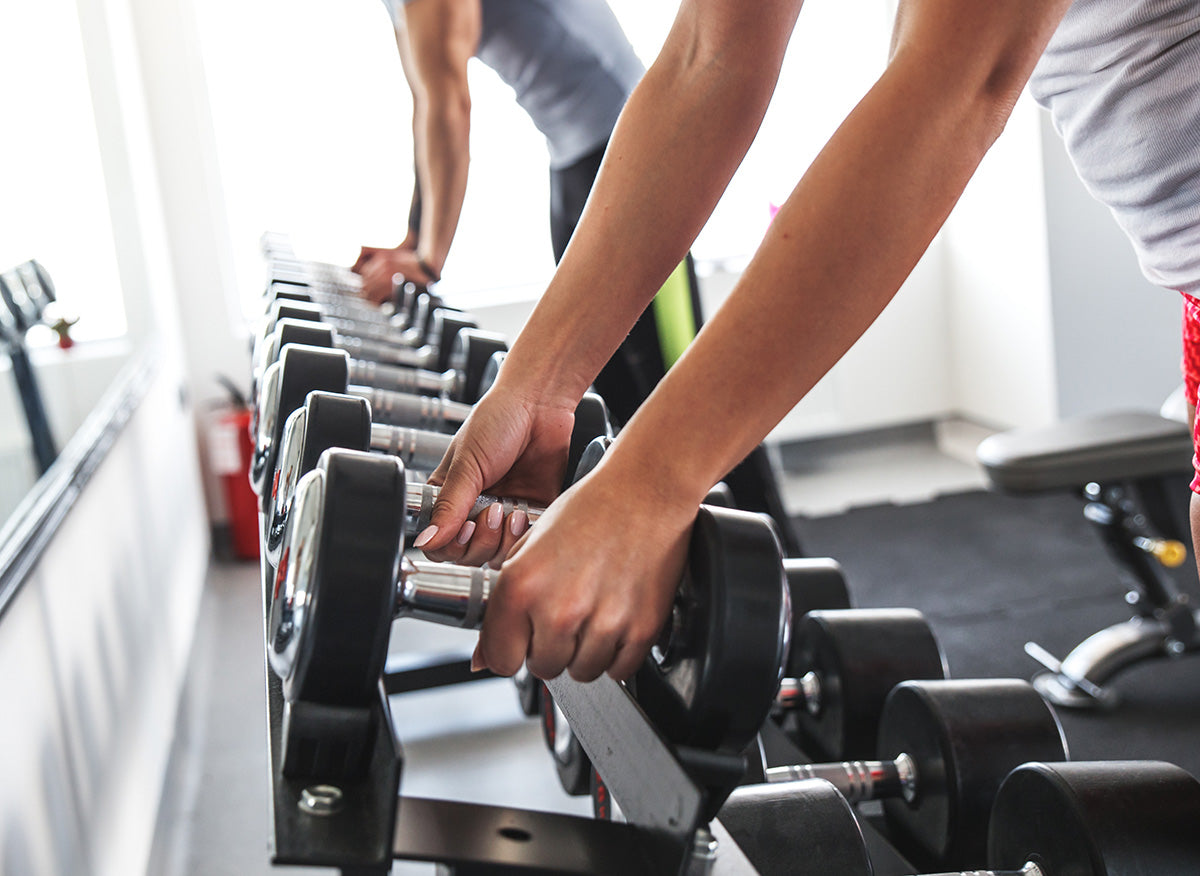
x=93, y=651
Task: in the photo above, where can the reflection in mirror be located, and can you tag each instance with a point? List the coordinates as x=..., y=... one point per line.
x=62, y=315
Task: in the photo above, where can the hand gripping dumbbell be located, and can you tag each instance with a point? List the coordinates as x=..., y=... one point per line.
x=813, y=583
x=1097, y=818
x=946, y=747
x=343, y=577
x=841, y=668
x=302, y=369
x=334, y=420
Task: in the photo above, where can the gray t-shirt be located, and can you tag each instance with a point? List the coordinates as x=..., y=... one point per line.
x=569, y=64
x=1121, y=79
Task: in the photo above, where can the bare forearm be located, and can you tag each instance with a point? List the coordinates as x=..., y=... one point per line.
x=444, y=130
x=683, y=132
x=836, y=254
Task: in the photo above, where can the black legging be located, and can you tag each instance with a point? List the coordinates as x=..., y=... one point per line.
x=637, y=366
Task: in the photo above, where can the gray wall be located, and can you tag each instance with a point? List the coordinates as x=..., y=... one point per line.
x=1116, y=335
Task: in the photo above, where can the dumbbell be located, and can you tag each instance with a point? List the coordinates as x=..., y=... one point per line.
x=1097, y=818
x=813, y=583
x=529, y=688
x=946, y=747
x=328, y=420
x=377, y=327
x=841, y=668
x=443, y=328
x=356, y=318
x=302, y=369
x=462, y=380
x=343, y=577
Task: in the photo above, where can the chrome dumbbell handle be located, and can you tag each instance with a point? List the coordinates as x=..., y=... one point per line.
x=420, y=499
x=390, y=353
x=443, y=593
x=801, y=693
x=415, y=411
x=418, y=450
x=400, y=379
x=857, y=780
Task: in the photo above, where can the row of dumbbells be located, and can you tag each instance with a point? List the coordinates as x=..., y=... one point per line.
x=857, y=684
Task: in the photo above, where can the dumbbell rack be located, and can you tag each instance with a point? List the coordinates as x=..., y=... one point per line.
x=667, y=794
x=374, y=823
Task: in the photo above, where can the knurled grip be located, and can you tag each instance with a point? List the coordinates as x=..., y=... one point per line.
x=363, y=348
x=420, y=451
x=400, y=379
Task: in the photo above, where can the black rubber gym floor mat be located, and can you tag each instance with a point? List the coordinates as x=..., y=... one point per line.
x=992, y=572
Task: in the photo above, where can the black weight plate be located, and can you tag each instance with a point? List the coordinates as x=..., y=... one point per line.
x=571, y=763
x=964, y=737
x=301, y=369
x=346, y=584
x=858, y=656
x=298, y=331
x=446, y=325
x=803, y=828
x=470, y=352
x=326, y=420
x=712, y=681
x=591, y=422
x=300, y=311
x=721, y=496
x=529, y=691
x=1106, y=818
x=816, y=584
x=291, y=293
x=490, y=372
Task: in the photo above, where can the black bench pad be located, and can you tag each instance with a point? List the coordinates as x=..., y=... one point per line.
x=1074, y=452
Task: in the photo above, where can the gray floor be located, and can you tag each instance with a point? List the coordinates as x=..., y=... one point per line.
x=468, y=742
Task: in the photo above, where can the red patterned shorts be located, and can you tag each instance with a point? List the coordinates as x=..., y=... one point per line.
x=1191, y=371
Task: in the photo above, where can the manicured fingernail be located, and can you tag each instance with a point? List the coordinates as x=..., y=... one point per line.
x=476, y=661
x=425, y=537
x=517, y=522
x=495, y=514
x=464, y=534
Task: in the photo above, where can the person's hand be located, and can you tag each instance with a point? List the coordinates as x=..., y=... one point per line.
x=590, y=586
x=365, y=254
x=511, y=445
x=382, y=267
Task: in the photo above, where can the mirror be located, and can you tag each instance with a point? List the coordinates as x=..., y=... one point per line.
x=63, y=335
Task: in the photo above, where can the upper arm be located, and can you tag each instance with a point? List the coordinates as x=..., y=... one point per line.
x=441, y=37
x=980, y=51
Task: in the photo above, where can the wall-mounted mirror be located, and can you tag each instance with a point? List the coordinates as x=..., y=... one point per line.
x=58, y=263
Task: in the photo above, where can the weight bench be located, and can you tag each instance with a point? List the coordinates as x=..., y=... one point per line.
x=1126, y=468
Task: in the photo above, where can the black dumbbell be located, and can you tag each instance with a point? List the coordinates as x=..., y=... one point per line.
x=351, y=320
x=461, y=381
x=813, y=583
x=1098, y=818
x=443, y=327
x=842, y=666
x=344, y=576
x=372, y=325
x=302, y=369
x=946, y=747
x=335, y=420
